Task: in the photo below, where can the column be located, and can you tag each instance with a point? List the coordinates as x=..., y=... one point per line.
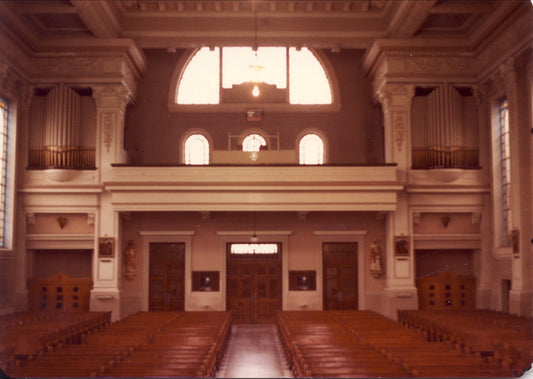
x=400, y=290
x=111, y=104
x=520, y=120
x=484, y=259
x=20, y=269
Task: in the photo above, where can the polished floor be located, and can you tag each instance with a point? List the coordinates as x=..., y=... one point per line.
x=254, y=351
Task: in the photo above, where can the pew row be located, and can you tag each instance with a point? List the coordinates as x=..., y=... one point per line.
x=26, y=334
x=506, y=338
x=146, y=344
x=363, y=343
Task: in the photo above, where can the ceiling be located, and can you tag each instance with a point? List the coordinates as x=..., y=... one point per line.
x=42, y=24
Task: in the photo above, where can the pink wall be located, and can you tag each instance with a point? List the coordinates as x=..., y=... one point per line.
x=303, y=248
x=355, y=133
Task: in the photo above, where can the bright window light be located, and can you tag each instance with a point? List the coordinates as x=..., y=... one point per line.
x=253, y=142
x=308, y=82
x=196, y=150
x=254, y=248
x=199, y=83
x=242, y=64
x=311, y=149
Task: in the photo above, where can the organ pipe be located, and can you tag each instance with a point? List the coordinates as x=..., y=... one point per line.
x=444, y=128
x=62, y=129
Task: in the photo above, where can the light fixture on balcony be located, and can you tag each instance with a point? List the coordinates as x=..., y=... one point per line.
x=254, y=237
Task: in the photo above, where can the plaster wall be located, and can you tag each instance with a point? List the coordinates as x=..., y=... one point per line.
x=303, y=250
x=354, y=134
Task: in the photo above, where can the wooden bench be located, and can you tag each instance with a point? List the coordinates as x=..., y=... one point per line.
x=143, y=344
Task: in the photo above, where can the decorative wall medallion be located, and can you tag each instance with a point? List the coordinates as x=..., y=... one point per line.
x=62, y=221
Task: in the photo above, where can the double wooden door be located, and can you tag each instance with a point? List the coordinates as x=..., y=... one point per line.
x=340, y=275
x=253, y=290
x=167, y=276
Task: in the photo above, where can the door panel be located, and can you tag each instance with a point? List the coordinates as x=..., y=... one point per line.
x=253, y=287
x=340, y=275
x=167, y=277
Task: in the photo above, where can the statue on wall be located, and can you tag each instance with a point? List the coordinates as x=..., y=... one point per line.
x=376, y=267
x=129, y=259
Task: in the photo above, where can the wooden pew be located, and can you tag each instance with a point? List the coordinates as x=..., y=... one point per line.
x=156, y=344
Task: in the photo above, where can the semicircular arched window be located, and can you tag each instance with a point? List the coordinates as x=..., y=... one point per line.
x=196, y=150
x=253, y=142
x=311, y=149
x=242, y=74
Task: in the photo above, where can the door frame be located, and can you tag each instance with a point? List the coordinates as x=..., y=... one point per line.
x=355, y=236
x=281, y=236
x=177, y=236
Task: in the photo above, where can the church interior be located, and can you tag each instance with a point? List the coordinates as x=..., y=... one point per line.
x=354, y=175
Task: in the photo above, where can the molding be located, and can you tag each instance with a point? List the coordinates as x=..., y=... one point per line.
x=60, y=241
x=165, y=233
x=339, y=232
x=251, y=232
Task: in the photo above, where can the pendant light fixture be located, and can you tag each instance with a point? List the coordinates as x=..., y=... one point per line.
x=254, y=235
x=255, y=68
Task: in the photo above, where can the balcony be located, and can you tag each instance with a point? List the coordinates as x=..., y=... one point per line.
x=254, y=187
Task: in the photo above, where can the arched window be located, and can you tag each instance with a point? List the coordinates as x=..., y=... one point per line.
x=311, y=149
x=196, y=150
x=253, y=142
x=211, y=71
x=199, y=83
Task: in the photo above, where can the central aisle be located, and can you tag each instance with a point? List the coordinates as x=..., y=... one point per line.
x=254, y=351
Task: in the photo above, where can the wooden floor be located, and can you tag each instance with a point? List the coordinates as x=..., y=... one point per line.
x=301, y=344
x=254, y=351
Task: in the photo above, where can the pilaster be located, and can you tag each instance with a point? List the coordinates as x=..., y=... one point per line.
x=400, y=290
x=518, y=92
x=111, y=102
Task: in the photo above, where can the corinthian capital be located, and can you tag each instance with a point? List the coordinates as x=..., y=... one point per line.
x=507, y=72
x=396, y=95
x=111, y=96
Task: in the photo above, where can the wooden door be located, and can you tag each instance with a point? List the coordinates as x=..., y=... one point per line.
x=167, y=276
x=253, y=290
x=340, y=275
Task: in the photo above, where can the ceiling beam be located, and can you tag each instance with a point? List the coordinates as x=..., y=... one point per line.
x=99, y=18
x=457, y=7
x=409, y=17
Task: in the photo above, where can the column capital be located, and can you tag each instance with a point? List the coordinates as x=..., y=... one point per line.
x=507, y=72
x=111, y=96
x=390, y=95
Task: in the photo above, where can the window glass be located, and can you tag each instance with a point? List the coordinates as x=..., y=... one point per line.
x=311, y=149
x=242, y=64
x=253, y=142
x=303, y=66
x=199, y=83
x=3, y=168
x=197, y=150
x=505, y=169
x=254, y=248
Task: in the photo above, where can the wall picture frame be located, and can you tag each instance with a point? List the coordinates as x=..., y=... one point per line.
x=106, y=246
x=401, y=246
